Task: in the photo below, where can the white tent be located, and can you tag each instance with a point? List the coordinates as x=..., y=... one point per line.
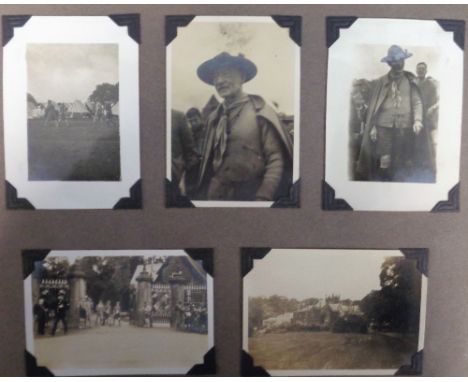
x=77, y=109
x=115, y=108
x=31, y=108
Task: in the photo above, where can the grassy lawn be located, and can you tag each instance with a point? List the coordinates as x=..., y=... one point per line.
x=326, y=350
x=79, y=151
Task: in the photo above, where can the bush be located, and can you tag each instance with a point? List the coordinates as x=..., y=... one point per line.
x=350, y=324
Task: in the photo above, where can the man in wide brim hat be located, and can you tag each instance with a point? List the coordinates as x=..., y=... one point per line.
x=247, y=154
x=395, y=145
x=207, y=71
x=396, y=53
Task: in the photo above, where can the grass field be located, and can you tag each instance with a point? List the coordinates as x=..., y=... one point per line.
x=326, y=350
x=79, y=151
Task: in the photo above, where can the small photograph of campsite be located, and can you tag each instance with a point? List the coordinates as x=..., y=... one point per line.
x=73, y=112
x=333, y=310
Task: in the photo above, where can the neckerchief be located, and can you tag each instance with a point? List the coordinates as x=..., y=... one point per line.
x=221, y=134
x=396, y=95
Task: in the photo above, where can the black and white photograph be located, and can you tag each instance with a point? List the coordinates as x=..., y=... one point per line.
x=233, y=111
x=71, y=113
x=118, y=312
x=393, y=120
x=394, y=114
x=335, y=312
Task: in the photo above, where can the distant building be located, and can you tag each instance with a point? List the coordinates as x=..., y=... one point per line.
x=321, y=315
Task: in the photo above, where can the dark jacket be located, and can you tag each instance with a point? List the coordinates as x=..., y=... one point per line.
x=423, y=155
x=276, y=176
x=430, y=98
x=184, y=154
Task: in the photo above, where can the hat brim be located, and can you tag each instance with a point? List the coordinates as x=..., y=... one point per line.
x=393, y=59
x=207, y=71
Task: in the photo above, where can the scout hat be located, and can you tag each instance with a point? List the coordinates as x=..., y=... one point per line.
x=206, y=71
x=396, y=53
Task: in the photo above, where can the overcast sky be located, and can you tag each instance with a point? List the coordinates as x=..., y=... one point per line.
x=266, y=44
x=69, y=72
x=317, y=273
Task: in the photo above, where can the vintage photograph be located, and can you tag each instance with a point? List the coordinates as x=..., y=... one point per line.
x=393, y=118
x=231, y=126
x=118, y=312
x=73, y=112
x=334, y=312
x=393, y=123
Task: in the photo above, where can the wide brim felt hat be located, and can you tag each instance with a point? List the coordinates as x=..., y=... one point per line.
x=207, y=71
x=396, y=53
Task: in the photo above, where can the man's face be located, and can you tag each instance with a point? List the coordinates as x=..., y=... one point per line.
x=421, y=70
x=195, y=121
x=397, y=66
x=357, y=98
x=228, y=82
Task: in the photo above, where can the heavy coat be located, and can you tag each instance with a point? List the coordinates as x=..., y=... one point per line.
x=264, y=115
x=184, y=155
x=423, y=154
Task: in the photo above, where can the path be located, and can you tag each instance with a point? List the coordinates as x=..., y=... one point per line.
x=124, y=347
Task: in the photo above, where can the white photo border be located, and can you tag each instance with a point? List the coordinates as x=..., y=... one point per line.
x=70, y=194
x=393, y=196
x=29, y=316
x=296, y=145
x=328, y=372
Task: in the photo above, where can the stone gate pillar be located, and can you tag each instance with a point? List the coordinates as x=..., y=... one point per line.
x=143, y=295
x=36, y=281
x=77, y=282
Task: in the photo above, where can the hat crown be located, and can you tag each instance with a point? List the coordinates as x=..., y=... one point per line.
x=396, y=53
x=208, y=69
x=226, y=58
x=395, y=50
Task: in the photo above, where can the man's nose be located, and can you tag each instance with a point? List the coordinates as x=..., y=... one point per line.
x=220, y=79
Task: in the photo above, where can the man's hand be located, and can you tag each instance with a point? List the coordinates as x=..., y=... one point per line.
x=432, y=109
x=373, y=134
x=417, y=127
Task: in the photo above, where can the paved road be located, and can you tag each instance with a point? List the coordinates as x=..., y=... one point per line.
x=121, y=347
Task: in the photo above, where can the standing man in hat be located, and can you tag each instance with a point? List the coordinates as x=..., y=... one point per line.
x=60, y=313
x=429, y=88
x=195, y=121
x=394, y=143
x=247, y=154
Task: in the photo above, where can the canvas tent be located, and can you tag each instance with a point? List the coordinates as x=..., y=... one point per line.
x=115, y=109
x=77, y=109
x=35, y=111
x=31, y=108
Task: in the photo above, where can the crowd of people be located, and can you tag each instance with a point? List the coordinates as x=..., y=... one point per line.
x=393, y=123
x=188, y=317
x=107, y=314
x=51, y=308
x=54, y=308
x=238, y=149
x=191, y=317
x=59, y=114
